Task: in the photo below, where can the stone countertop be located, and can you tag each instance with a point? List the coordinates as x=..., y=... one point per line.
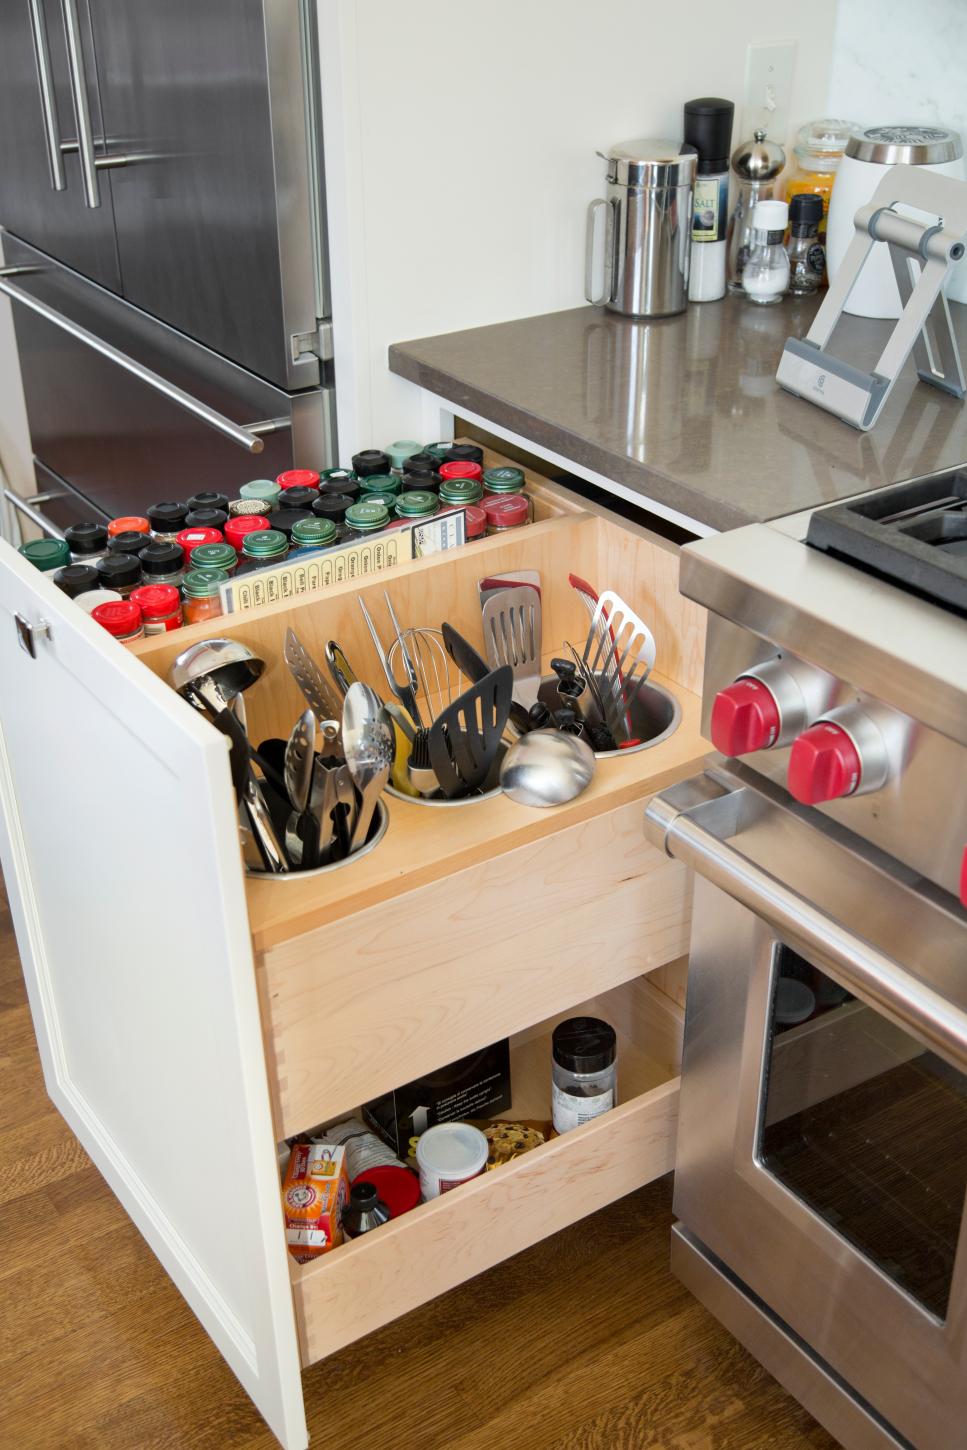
x=685, y=411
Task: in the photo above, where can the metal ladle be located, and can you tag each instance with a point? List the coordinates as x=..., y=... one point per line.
x=370, y=745
x=546, y=768
x=214, y=672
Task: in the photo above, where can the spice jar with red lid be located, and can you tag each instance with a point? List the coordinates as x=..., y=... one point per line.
x=160, y=606
x=122, y=619
x=505, y=511
x=461, y=468
x=189, y=539
x=242, y=524
x=128, y=523
x=298, y=478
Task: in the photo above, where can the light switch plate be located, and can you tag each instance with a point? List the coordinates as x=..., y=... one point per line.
x=769, y=71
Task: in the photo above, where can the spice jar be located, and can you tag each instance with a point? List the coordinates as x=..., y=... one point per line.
x=162, y=563
x=398, y=452
x=460, y=468
x=460, y=490
x=475, y=522
x=202, y=600
x=119, y=571
x=504, y=480
x=298, y=478
x=464, y=453
x=245, y=506
x=76, y=579
x=338, y=480
x=756, y=166
x=440, y=452
x=265, y=490
x=584, y=1079
x=450, y=1154
x=160, y=606
x=382, y=483
x=268, y=546
x=819, y=148
x=166, y=519
x=508, y=512
x=46, y=554
x=370, y=461
x=366, y=517
x=333, y=506
x=190, y=539
x=215, y=556
x=285, y=520
x=122, y=619
x=91, y=598
x=208, y=500
x=128, y=524
x=765, y=276
x=313, y=533
x=87, y=542
x=128, y=542
x=416, y=505
x=237, y=528
x=207, y=519
x=807, y=256
x=298, y=498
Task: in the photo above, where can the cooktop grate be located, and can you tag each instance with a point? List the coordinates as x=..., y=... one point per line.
x=914, y=534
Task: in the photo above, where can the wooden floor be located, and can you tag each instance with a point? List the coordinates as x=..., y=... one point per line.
x=583, y=1343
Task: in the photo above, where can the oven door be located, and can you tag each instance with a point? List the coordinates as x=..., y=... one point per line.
x=822, y=1151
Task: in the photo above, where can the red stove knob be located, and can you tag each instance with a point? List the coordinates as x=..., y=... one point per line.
x=745, y=717
x=824, y=764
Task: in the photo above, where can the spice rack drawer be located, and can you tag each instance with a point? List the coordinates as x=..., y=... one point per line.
x=356, y=1008
x=365, y=1283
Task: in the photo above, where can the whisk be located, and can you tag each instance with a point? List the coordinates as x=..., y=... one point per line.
x=422, y=654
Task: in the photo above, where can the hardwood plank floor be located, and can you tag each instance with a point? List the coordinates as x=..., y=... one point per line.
x=585, y=1342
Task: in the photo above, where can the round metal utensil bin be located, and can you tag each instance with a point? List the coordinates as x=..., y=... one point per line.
x=655, y=713
x=490, y=788
x=377, y=831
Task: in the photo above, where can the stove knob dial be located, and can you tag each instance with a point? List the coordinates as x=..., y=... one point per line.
x=841, y=755
x=745, y=717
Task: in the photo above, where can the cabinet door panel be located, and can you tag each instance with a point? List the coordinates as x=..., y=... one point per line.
x=120, y=854
x=57, y=222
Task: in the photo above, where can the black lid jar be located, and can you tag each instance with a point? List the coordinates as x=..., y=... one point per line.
x=87, y=538
x=464, y=453
x=207, y=518
x=332, y=506
x=370, y=461
x=208, y=501
x=584, y=1044
x=119, y=571
x=285, y=520
x=162, y=563
x=167, y=518
x=129, y=541
x=77, y=579
x=297, y=498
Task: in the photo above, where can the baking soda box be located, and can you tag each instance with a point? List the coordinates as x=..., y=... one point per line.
x=314, y=1193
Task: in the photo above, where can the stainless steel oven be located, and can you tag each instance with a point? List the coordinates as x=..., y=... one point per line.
x=822, y=1152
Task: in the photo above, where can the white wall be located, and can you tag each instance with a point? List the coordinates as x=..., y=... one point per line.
x=460, y=141
x=909, y=66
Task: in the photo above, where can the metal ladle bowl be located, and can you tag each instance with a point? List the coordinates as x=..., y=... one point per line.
x=215, y=671
x=546, y=768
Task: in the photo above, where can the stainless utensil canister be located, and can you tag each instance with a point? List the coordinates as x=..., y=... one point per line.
x=647, y=229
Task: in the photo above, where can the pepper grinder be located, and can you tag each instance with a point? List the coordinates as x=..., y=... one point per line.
x=756, y=165
x=364, y=1211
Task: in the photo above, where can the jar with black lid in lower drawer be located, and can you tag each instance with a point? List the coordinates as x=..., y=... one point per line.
x=119, y=571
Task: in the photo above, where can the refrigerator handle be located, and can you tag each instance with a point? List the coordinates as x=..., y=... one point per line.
x=247, y=436
x=48, y=98
x=82, y=111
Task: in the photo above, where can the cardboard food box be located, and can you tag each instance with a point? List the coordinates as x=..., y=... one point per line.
x=314, y=1193
x=478, y=1086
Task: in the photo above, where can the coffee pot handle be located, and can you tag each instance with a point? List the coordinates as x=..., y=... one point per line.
x=606, y=295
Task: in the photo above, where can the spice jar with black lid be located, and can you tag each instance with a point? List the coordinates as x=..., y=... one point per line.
x=207, y=518
x=87, y=541
x=583, y=1072
x=166, y=519
x=284, y=520
x=208, y=501
x=333, y=506
x=76, y=579
x=371, y=460
x=121, y=572
x=162, y=563
x=464, y=453
x=298, y=498
x=128, y=542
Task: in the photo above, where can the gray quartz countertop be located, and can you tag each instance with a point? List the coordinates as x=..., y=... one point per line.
x=685, y=411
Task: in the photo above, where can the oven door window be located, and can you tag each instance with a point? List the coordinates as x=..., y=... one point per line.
x=867, y=1127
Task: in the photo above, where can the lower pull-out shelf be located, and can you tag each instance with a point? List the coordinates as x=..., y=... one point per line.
x=371, y=1280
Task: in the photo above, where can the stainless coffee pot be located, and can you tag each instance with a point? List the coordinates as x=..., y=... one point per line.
x=647, y=229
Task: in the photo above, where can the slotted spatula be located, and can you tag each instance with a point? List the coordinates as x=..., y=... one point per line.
x=618, y=636
x=512, y=636
x=465, y=737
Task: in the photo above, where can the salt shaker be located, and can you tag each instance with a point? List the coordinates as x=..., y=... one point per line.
x=765, y=276
x=756, y=165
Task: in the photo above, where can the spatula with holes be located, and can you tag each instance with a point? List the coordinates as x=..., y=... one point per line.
x=465, y=737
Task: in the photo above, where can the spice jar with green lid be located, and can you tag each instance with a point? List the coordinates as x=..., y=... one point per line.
x=389, y=499
x=417, y=504
x=439, y=451
x=266, y=490
x=314, y=533
x=367, y=517
x=503, y=480
x=47, y=554
x=380, y=483
x=217, y=556
x=460, y=490
x=397, y=452
x=201, y=594
x=268, y=546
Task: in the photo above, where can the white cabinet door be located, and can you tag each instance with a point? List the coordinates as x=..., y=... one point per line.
x=121, y=857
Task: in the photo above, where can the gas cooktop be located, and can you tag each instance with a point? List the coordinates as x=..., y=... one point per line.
x=913, y=534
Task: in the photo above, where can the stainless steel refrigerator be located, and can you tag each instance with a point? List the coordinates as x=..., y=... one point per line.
x=163, y=210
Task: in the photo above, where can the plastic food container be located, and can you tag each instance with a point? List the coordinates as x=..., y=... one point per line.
x=448, y=1155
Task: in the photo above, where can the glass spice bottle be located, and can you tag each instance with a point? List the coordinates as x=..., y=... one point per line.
x=202, y=600
x=807, y=255
x=765, y=276
x=584, y=1080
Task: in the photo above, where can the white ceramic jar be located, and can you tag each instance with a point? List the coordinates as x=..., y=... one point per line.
x=448, y=1155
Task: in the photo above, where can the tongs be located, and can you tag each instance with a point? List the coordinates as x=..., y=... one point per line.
x=404, y=690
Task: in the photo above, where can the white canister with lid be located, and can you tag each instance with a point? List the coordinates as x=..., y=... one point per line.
x=448, y=1155
x=869, y=155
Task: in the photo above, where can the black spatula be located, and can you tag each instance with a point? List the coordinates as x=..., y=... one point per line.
x=465, y=737
x=476, y=668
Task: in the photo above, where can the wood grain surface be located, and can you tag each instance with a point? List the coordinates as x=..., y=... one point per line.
x=584, y=1342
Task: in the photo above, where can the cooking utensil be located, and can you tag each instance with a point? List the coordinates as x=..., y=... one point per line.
x=312, y=682
x=404, y=690
x=475, y=668
x=512, y=636
x=298, y=770
x=630, y=638
x=252, y=806
x=516, y=579
x=215, y=671
x=464, y=738
x=340, y=668
x=421, y=772
x=592, y=685
x=429, y=661
x=322, y=803
x=546, y=768
x=404, y=732
x=367, y=733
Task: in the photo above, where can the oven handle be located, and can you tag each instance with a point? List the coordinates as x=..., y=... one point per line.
x=696, y=834
x=247, y=436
